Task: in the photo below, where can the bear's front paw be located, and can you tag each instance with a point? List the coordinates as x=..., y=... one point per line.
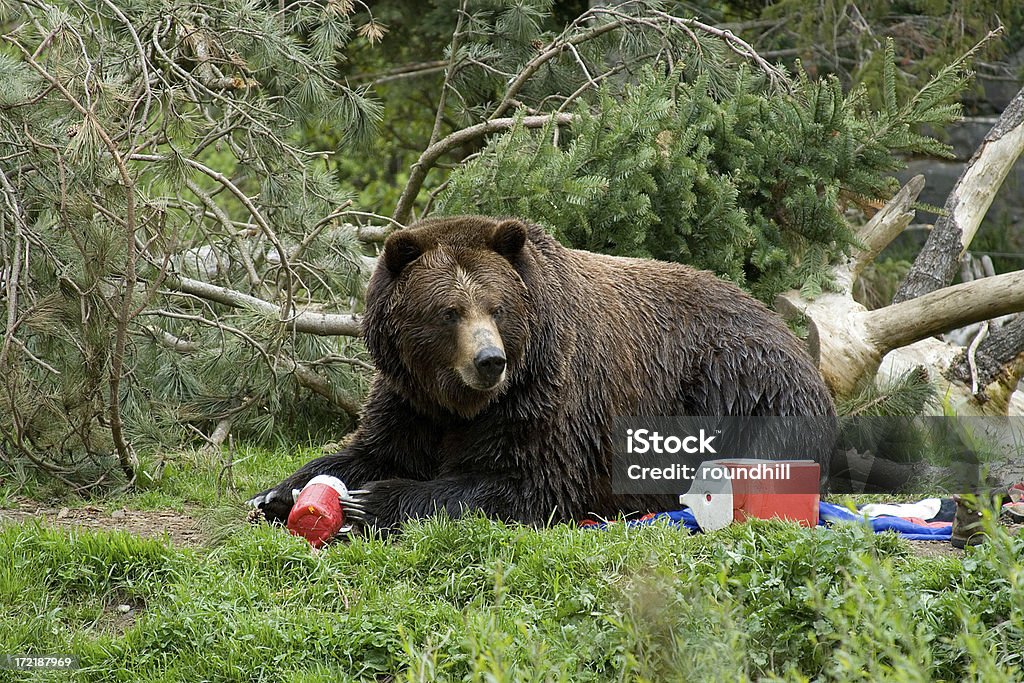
x=272, y=505
x=360, y=512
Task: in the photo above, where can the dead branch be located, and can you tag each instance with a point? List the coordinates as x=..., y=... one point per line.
x=966, y=206
x=849, y=341
x=900, y=324
x=882, y=229
x=999, y=357
x=322, y=324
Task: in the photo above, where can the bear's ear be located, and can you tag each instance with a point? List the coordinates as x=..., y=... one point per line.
x=400, y=250
x=509, y=237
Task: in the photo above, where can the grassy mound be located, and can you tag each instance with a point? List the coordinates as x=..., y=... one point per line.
x=478, y=600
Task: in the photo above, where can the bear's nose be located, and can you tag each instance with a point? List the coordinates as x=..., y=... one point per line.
x=490, y=363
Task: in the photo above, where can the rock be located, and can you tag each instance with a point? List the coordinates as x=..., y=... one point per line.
x=966, y=136
x=940, y=177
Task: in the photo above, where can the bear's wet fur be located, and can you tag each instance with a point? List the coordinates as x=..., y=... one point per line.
x=503, y=358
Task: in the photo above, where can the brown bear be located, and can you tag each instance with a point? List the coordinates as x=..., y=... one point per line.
x=502, y=358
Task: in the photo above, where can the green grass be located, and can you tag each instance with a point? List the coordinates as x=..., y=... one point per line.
x=478, y=600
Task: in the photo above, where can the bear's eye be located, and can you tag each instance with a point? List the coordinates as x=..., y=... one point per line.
x=449, y=315
x=497, y=311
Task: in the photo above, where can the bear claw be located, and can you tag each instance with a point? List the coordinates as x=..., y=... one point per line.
x=353, y=504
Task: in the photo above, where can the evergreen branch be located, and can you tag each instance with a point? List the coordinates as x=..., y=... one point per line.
x=170, y=341
x=303, y=375
x=429, y=157
x=143, y=66
x=322, y=386
x=449, y=72
x=210, y=76
x=14, y=275
x=904, y=395
x=228, y=103
x=592, y=83
x=567, y=41
x=68, y=186
x=739, y=46
x=404, y=71
x=321, y=225
x=50, y=468
x=221, y=430
x=943, y=81
x=220, y=326
x=254, y=279
x=35, y=359
x=562, y=42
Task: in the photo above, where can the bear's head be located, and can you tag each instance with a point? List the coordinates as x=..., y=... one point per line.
x=448, y=313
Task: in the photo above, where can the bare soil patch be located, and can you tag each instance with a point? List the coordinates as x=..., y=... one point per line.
x=946, y=549
x=935, y=549
x=179, y=527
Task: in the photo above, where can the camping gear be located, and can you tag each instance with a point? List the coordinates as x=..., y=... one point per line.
x=726, y=490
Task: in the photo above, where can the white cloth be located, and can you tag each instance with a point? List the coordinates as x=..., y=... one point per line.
x=922, y=509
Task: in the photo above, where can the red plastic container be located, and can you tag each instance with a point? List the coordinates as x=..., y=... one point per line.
x=317, y=515
x=793, y=495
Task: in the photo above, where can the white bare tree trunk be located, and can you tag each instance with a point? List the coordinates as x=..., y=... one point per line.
x=851, y=342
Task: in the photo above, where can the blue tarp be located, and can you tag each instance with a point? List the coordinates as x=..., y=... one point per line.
x=904, y=527
x=827, y=513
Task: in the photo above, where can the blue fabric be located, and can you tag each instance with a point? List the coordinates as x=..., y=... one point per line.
x=827, y=513
x=915, y=532
x=683, y=518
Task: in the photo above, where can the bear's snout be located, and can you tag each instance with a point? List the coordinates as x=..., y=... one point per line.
x=490, y=364
x=480, y=361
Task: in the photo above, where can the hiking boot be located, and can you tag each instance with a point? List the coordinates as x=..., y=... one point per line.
x=967, y=526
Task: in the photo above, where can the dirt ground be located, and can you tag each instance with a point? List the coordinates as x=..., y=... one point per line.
x=182, y=529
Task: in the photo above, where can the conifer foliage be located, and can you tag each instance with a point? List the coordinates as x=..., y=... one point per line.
x=722, y=170
x=162, y=227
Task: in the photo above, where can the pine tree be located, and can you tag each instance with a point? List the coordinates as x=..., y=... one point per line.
x=163, y=224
